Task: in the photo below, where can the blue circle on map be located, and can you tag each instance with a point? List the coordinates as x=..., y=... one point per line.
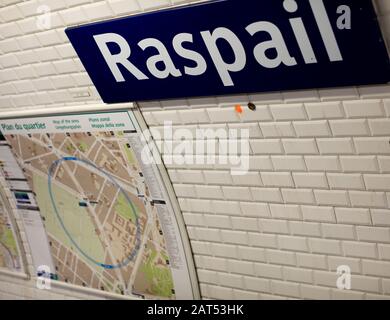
x=137, y=246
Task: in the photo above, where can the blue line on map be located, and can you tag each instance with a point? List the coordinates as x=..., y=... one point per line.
x=137, y=246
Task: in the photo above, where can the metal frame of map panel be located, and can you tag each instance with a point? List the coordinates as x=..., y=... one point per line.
x=16, y=231
x=63, y=110
x=167, y=189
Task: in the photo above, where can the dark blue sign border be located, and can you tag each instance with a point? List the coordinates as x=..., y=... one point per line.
x=365, y=60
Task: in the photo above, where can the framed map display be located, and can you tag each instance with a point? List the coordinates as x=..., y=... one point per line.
x=95, y=214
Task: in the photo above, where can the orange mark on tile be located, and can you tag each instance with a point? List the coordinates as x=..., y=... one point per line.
x=239, y=109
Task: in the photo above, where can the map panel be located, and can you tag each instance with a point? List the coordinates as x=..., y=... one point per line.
x=88, y=209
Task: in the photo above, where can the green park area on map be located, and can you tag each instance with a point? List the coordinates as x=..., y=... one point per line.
x=160, y=279
x=126, y=210
x=75, y=218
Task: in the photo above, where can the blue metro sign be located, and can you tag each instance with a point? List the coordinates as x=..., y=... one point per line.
x=234, y=46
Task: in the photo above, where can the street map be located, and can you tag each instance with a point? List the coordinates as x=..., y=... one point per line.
x=93, y=212
x=9, y=251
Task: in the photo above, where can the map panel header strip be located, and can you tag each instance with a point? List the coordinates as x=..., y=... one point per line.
x=68, y=123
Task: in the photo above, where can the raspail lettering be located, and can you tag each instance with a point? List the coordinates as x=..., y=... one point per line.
x=162, y=56
x=224, y=68
x=162, y=65
x=276, y=42
x=300, y=33
x=201, y=65
x=326, y=30
x=121, y=58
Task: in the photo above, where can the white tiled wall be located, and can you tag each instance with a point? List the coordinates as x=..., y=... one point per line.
x=317, y=195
